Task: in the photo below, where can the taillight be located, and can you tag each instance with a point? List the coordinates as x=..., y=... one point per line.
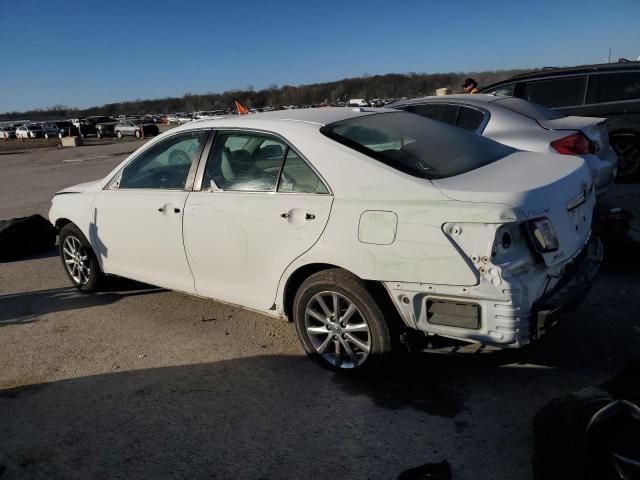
x=575, y=144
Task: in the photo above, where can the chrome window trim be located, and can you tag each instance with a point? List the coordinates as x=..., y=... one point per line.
x=197, y=187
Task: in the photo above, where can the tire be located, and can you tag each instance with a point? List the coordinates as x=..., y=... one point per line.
x=138, y=134
x=78, y=260
x=361, y=342
x=627, y=147
x=119, y=134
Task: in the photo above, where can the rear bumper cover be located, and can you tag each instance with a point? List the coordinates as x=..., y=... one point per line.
x=569, y=292
x=511, y=313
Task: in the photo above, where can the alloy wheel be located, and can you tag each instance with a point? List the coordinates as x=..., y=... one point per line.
x=628, y=157
x=337, y=329
x=76, y=260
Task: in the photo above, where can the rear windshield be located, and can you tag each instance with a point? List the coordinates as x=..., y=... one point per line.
x=529, y=109
x=416, y=145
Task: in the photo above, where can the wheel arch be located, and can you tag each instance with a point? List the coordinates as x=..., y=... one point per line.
x=375, y=288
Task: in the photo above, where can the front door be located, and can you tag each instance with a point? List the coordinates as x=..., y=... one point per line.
x=260, y=207
x=137, y=221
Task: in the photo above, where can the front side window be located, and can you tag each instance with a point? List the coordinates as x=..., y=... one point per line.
x=611, y=87
x=242, y=161
x=556, y=92
x=416, y=145
x=166, y=164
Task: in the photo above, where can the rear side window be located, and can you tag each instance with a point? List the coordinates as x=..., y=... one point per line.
x=416, y=145
x=470, y=118
x=611, y=87
x=556, y=92
x=529, y=109
x=442, y=113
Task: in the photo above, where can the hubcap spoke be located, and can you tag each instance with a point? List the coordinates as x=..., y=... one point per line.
x=323, y=346
x=323, y=306
x=318, y=330
x=348, y=314
x=357, y=342
x=309, y=311
x=360, y=327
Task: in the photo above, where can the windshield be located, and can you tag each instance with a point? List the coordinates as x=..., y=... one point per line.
x=529, y=109
x=416, y=145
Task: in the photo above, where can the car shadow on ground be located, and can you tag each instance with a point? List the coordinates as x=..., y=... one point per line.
x=48, y=253
x=277, y=417
x=27, y=307
x=283, y=417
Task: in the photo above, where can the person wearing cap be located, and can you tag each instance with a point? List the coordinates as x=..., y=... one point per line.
x=470, y=86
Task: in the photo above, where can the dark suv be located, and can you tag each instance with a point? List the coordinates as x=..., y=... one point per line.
x=610, y=90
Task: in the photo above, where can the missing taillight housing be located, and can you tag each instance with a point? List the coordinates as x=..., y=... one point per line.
x=574, y=144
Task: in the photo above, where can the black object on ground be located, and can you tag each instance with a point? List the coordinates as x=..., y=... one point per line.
x=24, y=236
x=591, y=434
x=429, y=471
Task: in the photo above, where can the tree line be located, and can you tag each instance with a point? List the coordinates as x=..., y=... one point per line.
x=391, y=85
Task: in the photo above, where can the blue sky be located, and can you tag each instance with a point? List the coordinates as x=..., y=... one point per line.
x=74, y=54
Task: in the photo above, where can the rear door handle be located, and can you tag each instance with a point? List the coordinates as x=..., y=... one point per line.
x=310, y=216
x=163, y=208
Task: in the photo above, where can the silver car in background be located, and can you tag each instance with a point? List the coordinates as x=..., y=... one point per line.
x=526, y=126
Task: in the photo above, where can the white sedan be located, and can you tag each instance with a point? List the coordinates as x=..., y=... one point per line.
x=357, y=224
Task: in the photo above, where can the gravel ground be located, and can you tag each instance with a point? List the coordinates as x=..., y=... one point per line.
x=140, y=382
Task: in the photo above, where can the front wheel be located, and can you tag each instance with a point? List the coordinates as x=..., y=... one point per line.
x=79, y=261
x=339, y=324
x=46, y=136
x=119, y=134
x=138, y=134
x=99, y=134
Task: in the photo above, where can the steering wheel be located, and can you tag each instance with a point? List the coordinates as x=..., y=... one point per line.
x=179, y=157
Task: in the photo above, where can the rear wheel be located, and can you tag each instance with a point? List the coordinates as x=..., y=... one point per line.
x=119, y=134
x=339, y=324
x=78, y=259
x=627, y=147
x=99, y=134
x=138, y=134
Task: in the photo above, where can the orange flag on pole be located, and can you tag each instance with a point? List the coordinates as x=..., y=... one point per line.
x=241, y=110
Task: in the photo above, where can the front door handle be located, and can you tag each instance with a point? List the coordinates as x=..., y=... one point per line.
x=310, y=216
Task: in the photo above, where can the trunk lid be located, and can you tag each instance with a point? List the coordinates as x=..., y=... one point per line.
x=595, y=129
x=558, y=187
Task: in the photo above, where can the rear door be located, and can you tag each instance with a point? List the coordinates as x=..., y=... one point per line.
x=261, y=205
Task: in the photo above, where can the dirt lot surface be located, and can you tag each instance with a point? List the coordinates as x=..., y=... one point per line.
x=139, y=382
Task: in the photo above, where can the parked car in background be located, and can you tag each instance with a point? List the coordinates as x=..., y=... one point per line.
x=32, y=130
x=59, y=129
x=106, y=129
x=208, y=114
x=358, y=102
x=359, y=226
x=525, y=126
x=7, y=132
x=607, y=90
x=135, y=128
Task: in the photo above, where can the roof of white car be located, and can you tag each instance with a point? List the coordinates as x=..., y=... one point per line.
x=316, y=116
